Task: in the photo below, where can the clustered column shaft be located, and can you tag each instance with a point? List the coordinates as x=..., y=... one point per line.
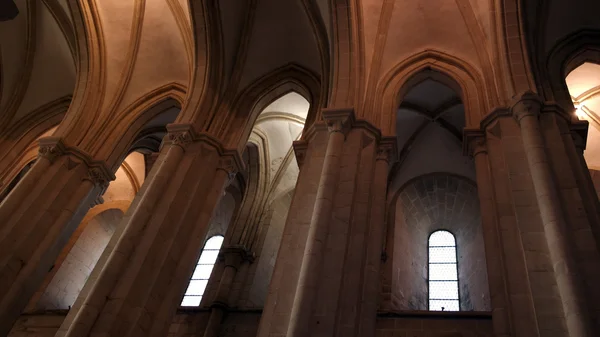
x=527, y=112
x=309, y=271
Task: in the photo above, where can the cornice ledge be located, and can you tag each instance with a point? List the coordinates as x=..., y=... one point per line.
x=497, y=113
x=368, y=127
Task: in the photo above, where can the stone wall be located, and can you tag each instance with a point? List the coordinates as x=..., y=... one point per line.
x=426, y=204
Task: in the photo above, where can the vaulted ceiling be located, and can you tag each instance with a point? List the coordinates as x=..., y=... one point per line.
x=37, y=51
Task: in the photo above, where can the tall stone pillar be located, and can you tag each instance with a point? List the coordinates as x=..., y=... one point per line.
x=148, y=267
x=38, y=218
x=308, y=279
x=568, y=278
x=386, y=153
x=232, y=257
x=475, y=145
x=320, y=285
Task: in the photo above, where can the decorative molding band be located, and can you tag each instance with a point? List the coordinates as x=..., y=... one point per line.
x=184, y=135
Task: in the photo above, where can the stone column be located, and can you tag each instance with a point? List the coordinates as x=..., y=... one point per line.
x=148, y=267
x=38, y=218
x=501, y=313
x=233, y=258
x=386, y=153
x=527, y=111
x=308, y=280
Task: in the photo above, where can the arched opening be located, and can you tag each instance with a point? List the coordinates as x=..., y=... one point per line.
x=135, y=163
x=267, y=185
x=583, y=83
x=432, y=191
x=77, y=265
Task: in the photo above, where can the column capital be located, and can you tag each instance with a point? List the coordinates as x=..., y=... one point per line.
x=528, y=104
x=387, y=149
x=234, y=255
x=579, y=133
x=98, y=173
x=339, y=120
x=474, y=142
x=300, y=148
x=184, y=136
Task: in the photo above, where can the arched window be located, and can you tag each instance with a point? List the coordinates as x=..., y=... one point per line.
x=195, y=290
x=443, y=272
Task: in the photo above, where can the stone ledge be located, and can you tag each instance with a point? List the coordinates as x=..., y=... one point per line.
x=436, y=314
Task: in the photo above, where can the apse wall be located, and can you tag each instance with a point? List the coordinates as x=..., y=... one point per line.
x=426, y=204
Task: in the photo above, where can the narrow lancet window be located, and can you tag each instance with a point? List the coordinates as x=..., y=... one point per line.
x=195, y=290
x=443, y=272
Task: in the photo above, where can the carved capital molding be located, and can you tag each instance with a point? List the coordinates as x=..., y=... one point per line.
x=51, y=148
x=474, y=142
x=184, y=136
x=235, y=255
x=528, y=105
x=339, y=120
x=228, y=164
x=180, y=135
x=387, y=150
x=97, y=173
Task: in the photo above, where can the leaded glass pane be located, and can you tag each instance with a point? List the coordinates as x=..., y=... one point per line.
x=443, y=272
x=206, y=262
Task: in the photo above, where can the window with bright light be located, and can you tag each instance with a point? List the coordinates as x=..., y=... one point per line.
x=443, y=272
x=195, y=290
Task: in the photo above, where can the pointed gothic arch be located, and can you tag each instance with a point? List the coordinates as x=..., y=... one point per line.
x=476, y=96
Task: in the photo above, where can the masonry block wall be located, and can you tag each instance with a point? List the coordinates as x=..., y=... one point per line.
x=74, y=270
x=426, y=204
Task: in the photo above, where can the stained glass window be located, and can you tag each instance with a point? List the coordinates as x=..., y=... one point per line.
x=443, y=272
x=197, y=285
